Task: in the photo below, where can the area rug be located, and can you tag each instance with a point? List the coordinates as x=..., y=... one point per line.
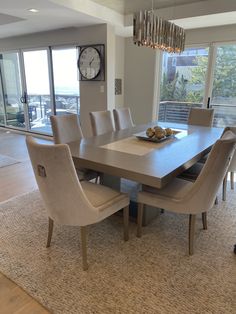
x=153, y=274
x=7, y=161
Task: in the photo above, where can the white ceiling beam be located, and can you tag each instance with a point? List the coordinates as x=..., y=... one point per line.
x=93, y=9
x=197, y=9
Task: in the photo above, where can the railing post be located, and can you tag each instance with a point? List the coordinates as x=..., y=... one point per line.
x=165, y=111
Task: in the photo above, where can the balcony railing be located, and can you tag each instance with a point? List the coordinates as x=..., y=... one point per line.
x=177, y=112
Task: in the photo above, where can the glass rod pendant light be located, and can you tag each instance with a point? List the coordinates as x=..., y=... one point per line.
x=152, y=31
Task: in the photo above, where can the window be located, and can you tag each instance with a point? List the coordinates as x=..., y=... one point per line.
x=182, y=83
x=223, y=98
x=66, y=83
x=37, y=83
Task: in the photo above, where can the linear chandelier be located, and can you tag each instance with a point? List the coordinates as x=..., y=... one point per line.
x=157, y=33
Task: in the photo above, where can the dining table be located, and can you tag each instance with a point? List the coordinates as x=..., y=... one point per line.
x=125, y=155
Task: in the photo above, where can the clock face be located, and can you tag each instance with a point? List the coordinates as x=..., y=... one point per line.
x=89, y=63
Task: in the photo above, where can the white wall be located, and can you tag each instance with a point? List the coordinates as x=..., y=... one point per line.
x=119, y=69
x=92, y=97
x=211, y=34
x=110, y=70
x=140, y=81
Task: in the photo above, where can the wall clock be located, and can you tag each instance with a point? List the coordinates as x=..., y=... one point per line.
x=91, y=63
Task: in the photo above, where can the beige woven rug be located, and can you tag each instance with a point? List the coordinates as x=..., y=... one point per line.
x=7, y=161
x=153, y=274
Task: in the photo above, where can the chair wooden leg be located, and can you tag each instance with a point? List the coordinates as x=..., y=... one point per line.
x=216, y=200
x=83, y=243
x=204, y=220
x=126, y=223
x=192, y=219
x=140, y=220
x=162, y=211
x=232, y=180
x=224, y=187
x=50, y=230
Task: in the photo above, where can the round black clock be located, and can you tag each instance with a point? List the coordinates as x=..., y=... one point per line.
x=89, y=63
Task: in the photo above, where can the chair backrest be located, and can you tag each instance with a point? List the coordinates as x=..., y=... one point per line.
x=200, y=116
x=232, y=166
x=101, y=122
x=122, y=118
x=58, y=183
x=202, y=195
x=66, y=128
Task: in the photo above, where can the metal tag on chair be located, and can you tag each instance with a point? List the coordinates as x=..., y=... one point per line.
x=41, y=171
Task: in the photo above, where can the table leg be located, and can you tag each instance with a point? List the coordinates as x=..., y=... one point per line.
x=132, y=188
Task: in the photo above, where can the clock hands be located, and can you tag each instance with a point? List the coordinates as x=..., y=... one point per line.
x=91, y=62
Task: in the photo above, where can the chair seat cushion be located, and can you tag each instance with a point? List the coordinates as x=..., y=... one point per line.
x=176, y=189
x=101, y=196
x=169, y=197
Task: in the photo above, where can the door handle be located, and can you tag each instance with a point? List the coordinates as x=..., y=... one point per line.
x=23, y=99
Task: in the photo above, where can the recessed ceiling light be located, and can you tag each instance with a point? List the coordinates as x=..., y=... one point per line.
x=33, y=10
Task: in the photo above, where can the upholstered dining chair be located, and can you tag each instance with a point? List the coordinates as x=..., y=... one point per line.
x=101, y=122
x=201, y=116
x=66, y=129
x=67, y=200
x=231, y=169
x=181, y=196
x=122, y=118
x=193, y=172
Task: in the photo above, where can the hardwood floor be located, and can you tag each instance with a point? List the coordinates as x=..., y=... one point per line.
x=15, y=180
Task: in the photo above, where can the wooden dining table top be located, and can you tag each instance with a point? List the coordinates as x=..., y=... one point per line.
x=122, y=155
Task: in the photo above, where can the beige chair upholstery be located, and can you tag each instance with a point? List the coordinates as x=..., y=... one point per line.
x=231, y=169
x=67, y=201
x=122, y=118
x=200, y=116
x=66, y=129
x=101, y=122
x=190, y=198
x=193, y=172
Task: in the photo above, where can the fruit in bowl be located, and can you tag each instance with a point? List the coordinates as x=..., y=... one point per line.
x=158, y=132
x=169, y=131
x=150, y=132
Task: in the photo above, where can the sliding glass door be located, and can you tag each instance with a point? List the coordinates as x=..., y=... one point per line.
x=182, y=83
x=12, y=91
x=35, y=84
x=38, y=93
x=65, y=77
x=195, y=76
x=223, y=95
x=2, y=108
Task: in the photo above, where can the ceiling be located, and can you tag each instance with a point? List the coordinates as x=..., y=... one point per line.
x=130, y=6
x=15, y=18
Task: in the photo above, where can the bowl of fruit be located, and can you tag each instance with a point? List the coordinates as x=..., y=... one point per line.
x=156, y=134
